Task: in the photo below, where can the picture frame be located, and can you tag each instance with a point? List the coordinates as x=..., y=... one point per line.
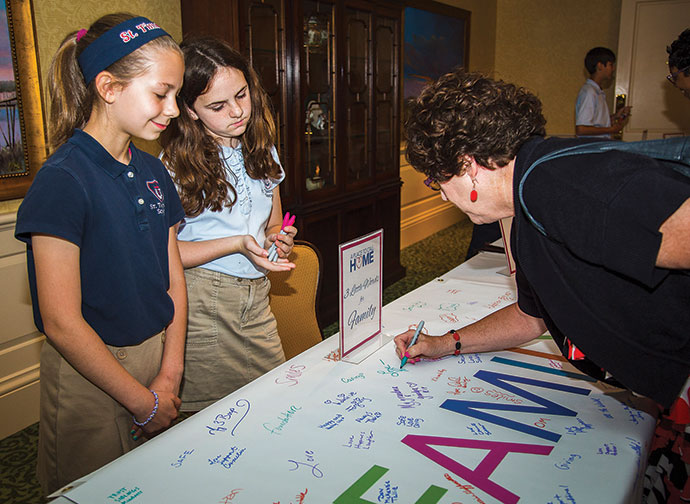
x=429, y=30
x=23, y=135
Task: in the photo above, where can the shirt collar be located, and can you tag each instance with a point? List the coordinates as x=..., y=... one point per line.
x=595, y=85
x=101, y=157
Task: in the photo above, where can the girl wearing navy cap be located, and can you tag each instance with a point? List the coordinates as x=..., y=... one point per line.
x=221, y=154
x=100, y=223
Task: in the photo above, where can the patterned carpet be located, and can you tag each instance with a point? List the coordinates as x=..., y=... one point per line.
x=424, y=261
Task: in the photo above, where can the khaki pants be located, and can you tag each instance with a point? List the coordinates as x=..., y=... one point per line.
x=232, y=336
x=81, y=427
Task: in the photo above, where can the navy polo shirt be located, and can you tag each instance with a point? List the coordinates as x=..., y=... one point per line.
x=119, y=216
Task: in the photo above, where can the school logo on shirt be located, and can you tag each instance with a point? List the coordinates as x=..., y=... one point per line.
x=155, y=189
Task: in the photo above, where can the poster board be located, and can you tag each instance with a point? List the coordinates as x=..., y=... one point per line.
x=521, y=425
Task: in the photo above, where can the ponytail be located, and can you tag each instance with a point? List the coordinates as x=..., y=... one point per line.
x=70, y=100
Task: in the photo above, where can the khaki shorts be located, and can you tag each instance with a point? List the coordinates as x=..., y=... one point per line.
x=232, y=336
x=81, y=427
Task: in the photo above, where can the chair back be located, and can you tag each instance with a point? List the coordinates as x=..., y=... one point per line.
x=294, y=296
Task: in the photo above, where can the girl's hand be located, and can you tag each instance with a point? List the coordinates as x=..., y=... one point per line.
x=168, y=407
x=259, y=256
x=284, y=242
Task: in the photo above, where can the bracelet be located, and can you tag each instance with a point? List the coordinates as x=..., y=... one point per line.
x=153, y=413
x=458, y=345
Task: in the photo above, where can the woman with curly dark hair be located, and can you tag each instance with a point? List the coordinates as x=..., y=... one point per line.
x=599, y=239
x=508, y=117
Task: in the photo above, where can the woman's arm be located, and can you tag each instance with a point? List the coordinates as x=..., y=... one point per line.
x=58, y=284
x=674, y=252
x=505, y=328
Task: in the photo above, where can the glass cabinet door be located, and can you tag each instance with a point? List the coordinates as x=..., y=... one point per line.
x=318, y=112
x=357, y=94
x=386, y=93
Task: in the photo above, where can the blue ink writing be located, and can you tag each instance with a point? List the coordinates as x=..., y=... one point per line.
x=601, y=407
x=364, y=443
x=565, y=464
x=181, y=458
x=369, y=417
x=228, y=460
x=579, y=429
x=388, y=494
x=478, y=429
x=476, y=409
x=333, y=422
x=608, y=449
x=315, y=471
x=410, y=422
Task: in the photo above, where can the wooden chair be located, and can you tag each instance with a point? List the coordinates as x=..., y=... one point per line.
x=294, y=295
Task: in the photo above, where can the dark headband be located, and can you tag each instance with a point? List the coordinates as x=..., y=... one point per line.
x=115, y=44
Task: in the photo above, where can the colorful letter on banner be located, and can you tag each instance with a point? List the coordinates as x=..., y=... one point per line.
x=353, y=495
x=478, y=477
x=471, y=408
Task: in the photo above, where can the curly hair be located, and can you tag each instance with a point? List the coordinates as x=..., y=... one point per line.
x=191, y=154
x=679, y=52
x=466, y=114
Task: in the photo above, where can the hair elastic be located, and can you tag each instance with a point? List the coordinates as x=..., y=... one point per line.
x=81, y=33
x=115, y=44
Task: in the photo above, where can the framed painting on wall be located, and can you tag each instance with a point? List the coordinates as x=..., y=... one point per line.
x=22, y=130
x=436, y=40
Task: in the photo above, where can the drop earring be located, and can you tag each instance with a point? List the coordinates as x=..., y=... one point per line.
x=473, y=193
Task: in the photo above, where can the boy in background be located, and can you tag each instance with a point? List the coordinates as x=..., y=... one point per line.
x=592, y=117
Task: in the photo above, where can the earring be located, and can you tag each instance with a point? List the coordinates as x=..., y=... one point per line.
x=473, y=193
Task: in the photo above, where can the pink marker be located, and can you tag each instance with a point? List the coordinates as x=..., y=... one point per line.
x=273, y=250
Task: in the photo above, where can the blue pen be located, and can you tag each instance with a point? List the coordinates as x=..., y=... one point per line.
x=414, y=340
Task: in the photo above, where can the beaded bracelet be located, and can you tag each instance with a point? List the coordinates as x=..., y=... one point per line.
x=458, y=345
x=153, y=413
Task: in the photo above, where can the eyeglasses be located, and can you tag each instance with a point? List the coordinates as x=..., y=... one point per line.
x=673, y=76
x=432, y=184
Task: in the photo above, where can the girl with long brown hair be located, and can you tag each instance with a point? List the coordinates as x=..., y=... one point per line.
x=221, y=155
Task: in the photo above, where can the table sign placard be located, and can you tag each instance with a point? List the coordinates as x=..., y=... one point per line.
x=361, y=279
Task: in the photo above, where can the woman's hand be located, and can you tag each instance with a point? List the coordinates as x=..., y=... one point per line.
x=427, y=347
x=259, y=255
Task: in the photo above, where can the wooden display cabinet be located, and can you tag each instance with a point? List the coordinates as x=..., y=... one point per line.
x=333, y=71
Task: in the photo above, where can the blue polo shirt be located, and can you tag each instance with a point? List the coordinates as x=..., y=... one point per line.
x=119, y=216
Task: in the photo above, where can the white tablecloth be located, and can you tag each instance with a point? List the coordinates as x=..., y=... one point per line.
x=498, y=427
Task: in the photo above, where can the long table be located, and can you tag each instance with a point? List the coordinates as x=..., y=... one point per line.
x=520, y=425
